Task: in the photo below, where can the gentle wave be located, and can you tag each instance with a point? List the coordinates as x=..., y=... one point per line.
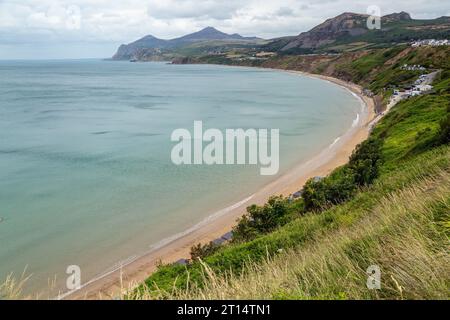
x=96, y=143
x=205, y=221
x=334, y=142
x=355, y=121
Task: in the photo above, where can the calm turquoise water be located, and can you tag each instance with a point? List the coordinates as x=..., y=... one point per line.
x=85, y=170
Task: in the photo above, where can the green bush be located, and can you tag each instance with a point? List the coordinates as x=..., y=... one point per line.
x=444, y=133
x=340, y=186
x=260, y=220
x=365, y=160
x=200, y=251
x=337, y=188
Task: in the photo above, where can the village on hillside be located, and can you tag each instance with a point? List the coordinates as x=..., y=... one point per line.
x=431, y=43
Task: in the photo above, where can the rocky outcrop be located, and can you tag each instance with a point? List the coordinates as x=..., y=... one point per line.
x=344, y=25
x=129, y=51
x=184, y=60
x=327, y=32
x=401, y=16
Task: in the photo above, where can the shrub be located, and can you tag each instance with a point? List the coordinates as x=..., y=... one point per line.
x=260, y=220
x=320, y=195
x=314, y=195
x=200, y=251
x=340, y=186
x=444, y=133
x=365, y=160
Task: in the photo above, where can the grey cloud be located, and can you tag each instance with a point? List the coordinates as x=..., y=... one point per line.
x=179, y=9
x=114, y=22
x=285, y=12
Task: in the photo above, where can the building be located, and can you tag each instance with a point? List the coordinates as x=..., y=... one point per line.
x=228, y=236
x=430, y=42
x=218, y=241
x=414, y=67
x=367, y=93
x=264, y=54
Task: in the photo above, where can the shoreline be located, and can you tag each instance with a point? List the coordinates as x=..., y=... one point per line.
x=177, y=247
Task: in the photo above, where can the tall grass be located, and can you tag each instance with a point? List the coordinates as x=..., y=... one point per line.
x=404, y=235
x=400, y=223
x=12, y=287
x=303, y=231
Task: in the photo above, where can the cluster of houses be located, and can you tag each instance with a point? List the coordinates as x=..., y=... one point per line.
x=257, y=56
x=242, y=56
x=430, y=42
x=368, y=93
x=217, y=52
x=414, y=67
x=264, y=54
x=420, y=86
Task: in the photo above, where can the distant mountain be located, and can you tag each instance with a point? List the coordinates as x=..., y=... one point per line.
x=327, y=32
x=152, y=44
x=127, y=51
x=345, y=32
x=210, y=33
x=352, y=27
x=400, y=16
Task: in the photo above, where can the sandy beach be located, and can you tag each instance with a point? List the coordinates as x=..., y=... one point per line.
x=110, y=285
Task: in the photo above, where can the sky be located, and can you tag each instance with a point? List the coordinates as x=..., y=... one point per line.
x=58, y=29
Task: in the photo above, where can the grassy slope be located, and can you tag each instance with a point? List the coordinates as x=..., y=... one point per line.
x=391, y=32
x=379, y=70
x=340, y=232
x=400, y=231
x=382, y=68
x=408, y=204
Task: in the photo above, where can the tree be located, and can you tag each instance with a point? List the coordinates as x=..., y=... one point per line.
x=261, y=219
x=200, y=251
x=365, y=160
x=334, y=189
x=444, y=133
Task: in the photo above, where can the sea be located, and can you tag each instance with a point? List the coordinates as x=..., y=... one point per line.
x=86, y=176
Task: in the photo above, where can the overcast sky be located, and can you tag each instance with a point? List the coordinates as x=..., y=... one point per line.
x=43, y=29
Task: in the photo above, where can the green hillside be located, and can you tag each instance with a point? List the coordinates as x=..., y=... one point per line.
x=349, y=31
x=389, y=206
x=397, y=32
